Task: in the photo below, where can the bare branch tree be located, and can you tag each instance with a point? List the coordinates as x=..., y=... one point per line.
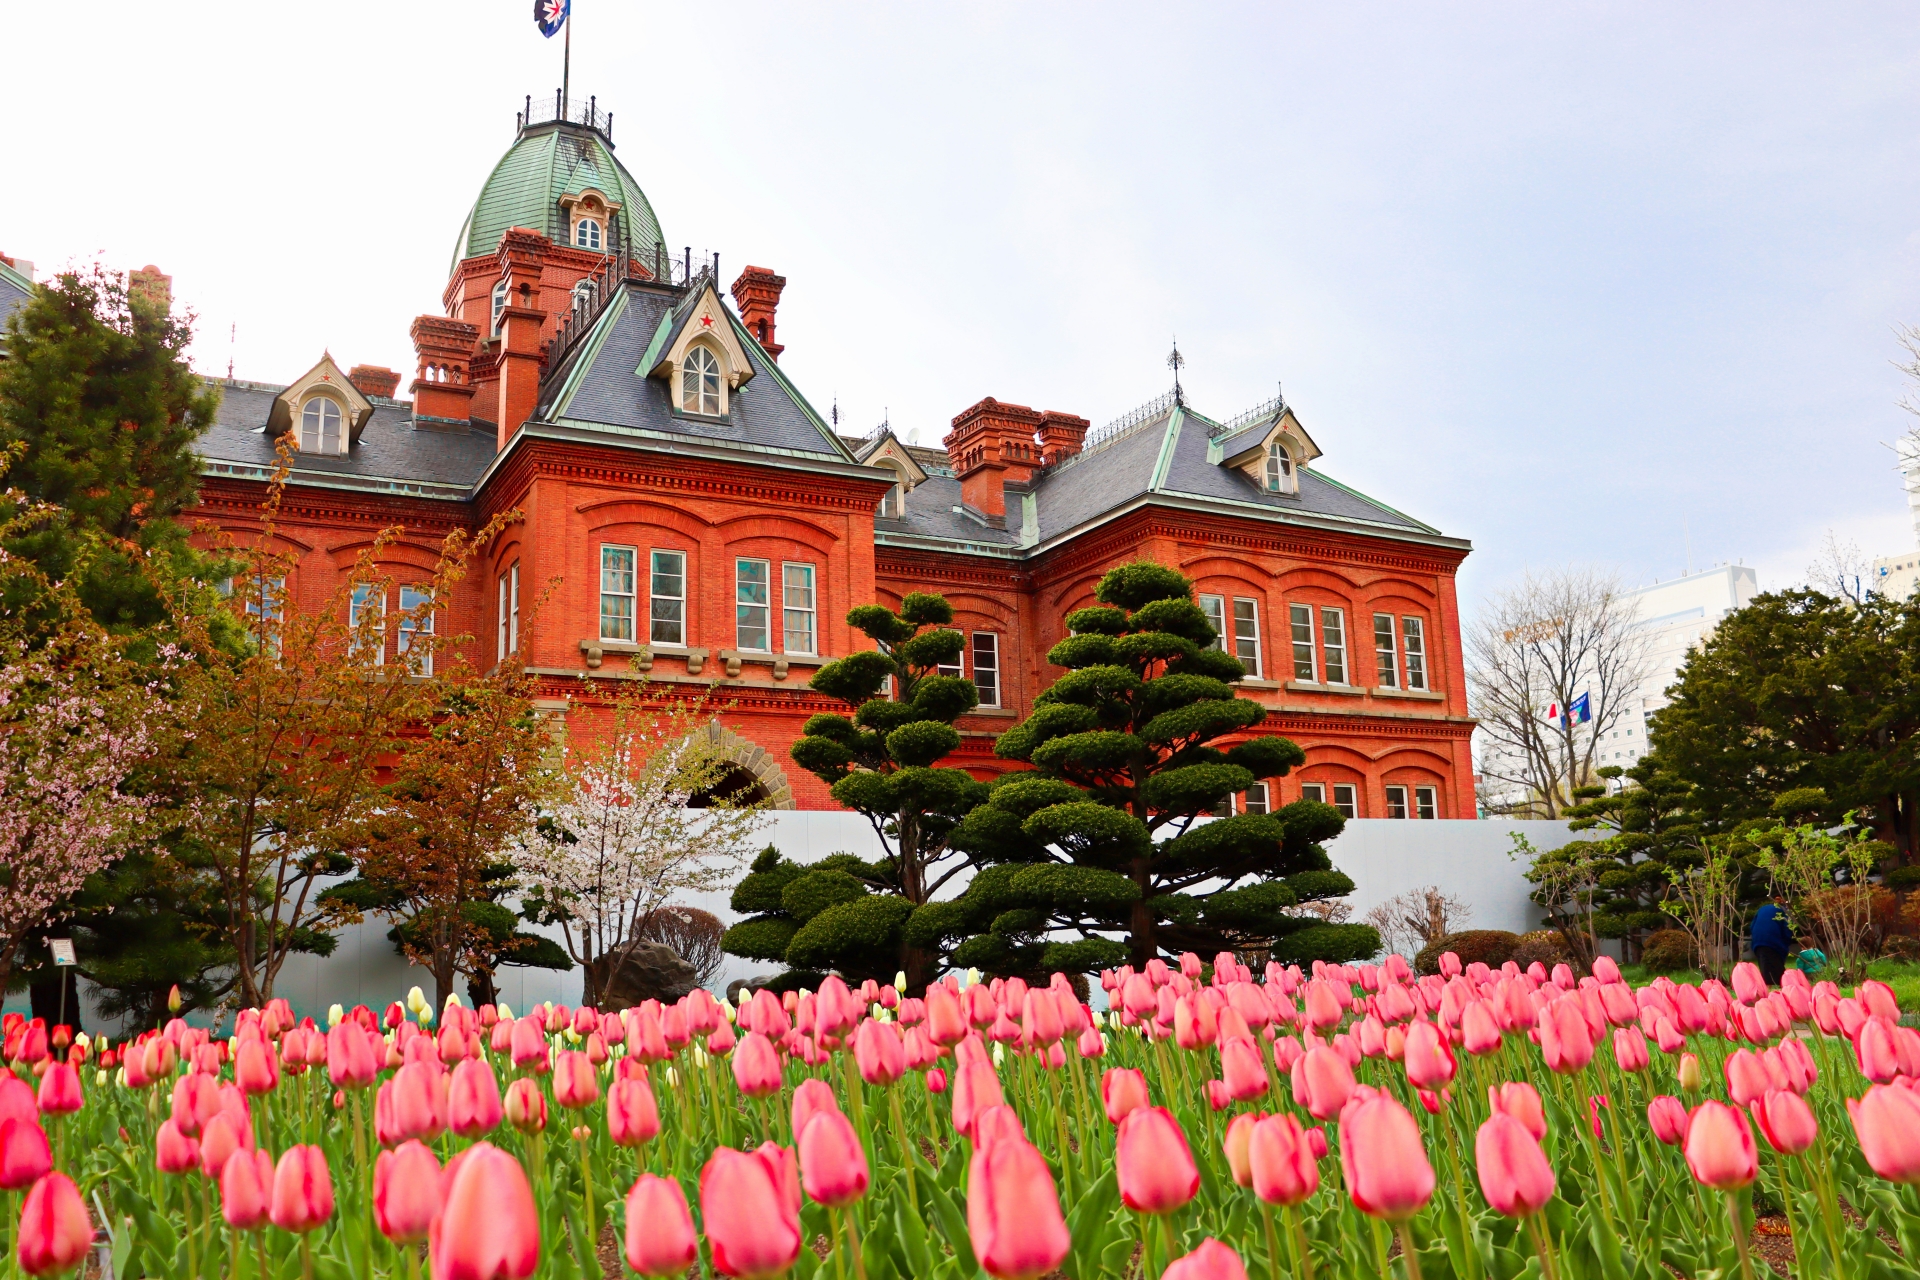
x=1411, y=920
x=1543, y=643
x=693, y=934
x=1840, y=570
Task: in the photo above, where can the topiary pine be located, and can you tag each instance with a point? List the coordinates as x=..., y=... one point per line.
x=879, y=762
x=1101, y=836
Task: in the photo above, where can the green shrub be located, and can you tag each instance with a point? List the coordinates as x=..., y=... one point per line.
x=1904, y=878
x=1544, y=946
x=1670, y=951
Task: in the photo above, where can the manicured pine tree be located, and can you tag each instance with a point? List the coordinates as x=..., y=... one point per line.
x=843, y=913
x=1101, y=837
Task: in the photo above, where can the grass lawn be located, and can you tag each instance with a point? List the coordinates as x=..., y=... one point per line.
x=1902, y=975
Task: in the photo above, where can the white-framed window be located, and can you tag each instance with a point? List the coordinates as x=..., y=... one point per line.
x=412, y=625
x=1413, y=631
x=1346, y=798
x=1333, y=645
x=1314, y=791
x=893, y=503
x=1426, y=802
x=499, y=305
x=957, y=668
x=986, y=667
x=1386, y=656
x=1396, y=802
x=1300, y=616
x=751, y=608
x=700, y=382
x=586, y=234
x=1256, y=799
x=320, y=425
x=1246, y=634
x=1215, y=607
x=368, y=607
x=509, y=611
x=616, y=592
x=797, y=613
x=1279, y=469
x=667, y=590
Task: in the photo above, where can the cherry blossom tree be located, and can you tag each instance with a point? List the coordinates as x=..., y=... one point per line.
x=646, y=812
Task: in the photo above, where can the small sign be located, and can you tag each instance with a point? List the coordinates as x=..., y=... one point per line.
x=62, y=950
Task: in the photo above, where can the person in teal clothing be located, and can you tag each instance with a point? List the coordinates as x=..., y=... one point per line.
x=1772, y=937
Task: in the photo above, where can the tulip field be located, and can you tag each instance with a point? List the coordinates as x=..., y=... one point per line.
x=1355, y=1121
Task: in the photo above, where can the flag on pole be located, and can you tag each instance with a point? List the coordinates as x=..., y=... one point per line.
x=1579, y=710
x=1553, y=711
x=550, y=15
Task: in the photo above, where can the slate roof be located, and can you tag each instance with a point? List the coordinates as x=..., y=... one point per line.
x=544, y=163
x=392, y=456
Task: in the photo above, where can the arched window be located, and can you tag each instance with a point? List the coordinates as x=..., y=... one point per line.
x=320, y=426
x=499, y=303
x=1279, y=469
x=700, y=382
x=586, y=234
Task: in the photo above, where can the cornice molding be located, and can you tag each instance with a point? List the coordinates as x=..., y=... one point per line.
x=544, y=459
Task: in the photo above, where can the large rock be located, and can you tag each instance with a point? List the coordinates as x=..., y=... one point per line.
x=648, y=971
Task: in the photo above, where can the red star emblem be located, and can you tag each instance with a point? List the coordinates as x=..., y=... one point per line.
x=706, y=322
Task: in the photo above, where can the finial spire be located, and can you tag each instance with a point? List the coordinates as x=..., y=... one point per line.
x=1176, y=362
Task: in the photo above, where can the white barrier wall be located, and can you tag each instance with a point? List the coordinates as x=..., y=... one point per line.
x=1385, y=858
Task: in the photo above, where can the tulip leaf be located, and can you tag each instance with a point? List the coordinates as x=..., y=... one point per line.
x=913, y=1239
x=1091, y=1224
x=877, y=1247
x=953, y=1224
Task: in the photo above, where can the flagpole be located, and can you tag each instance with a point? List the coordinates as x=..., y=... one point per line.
x=566, y=67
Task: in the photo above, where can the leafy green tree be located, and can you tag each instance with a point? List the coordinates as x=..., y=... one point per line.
x=1102, y=836
x=1646, y=827
x=1801, y=690
x=103, y=407
x=881, y=762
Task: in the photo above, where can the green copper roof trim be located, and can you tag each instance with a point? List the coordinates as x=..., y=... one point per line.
x=584, y=360
x=660, y=332
x=1349, y=489
x=14, y=278
x=1167, y=442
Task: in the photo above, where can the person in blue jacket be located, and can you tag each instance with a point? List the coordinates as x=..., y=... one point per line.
x=1772, y=938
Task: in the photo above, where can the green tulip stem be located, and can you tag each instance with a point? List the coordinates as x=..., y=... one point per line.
x=586, y=1196
x=906, y=1145
x=1542, y=1245
x=1298, y=1222
x=1273, y=1242
x=853, y=1244
x=1411, y=1256
x=1739, y=1235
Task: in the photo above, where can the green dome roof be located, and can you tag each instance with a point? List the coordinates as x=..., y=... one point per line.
x=545, y=162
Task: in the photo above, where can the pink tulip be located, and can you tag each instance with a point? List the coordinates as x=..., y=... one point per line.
x=1667, y=1117
x=1747, y=1079
x=1282, y=1164
x=1428, y=1060
x=1630, y=1052
x=525, y=1106
x=1322, y=1082
x=936, y=1081
x=1479, y=1031
x=223, y=1136
x=833, y=1166
x=1211, y=1261
x=946, y=1018
x=751, y=1222
x=17, y=1101
x=473, y=1099
x=410, y=1105
x=173, y=1151
x=25, y=1155
x=350, y=1056
x=1156, y=1169
x=633, y=1117
x=254, y=1068
x=246, y=1188
x=879, y=1053
x=1217, y=1096
x=55, y=1232
x=576, y=1085
x=302, y=1196
x=1239, y=1135
x=1013, y=1212
x=1243, y=1069
x=1887, y=1122
x=811, y=1096
x=1383, y=1158
x=1566, y=1040
x=196, y=1100
x=975, y=1088
x=1123, y=1090
x=660, y=1238
x=1520, y=1100
x=1748, y=985
x=406, y=1192
x=756, y=1067
x=60, y=1090
x=488, y=1228
x=1090, y=1044
x=1878, y=1049
x=1514, y=1173
x=997, y=1124
x=1719, y=1147
x=1787, y=1121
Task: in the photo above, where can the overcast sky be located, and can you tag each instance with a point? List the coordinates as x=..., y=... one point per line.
x=1576, y=282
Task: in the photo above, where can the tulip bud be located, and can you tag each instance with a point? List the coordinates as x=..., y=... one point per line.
x=1123, y=1090
x=1689, y=1073
x=833, y=1166
x=302, y=1196
x=1155, y=1167
x=173, y=998
x=54, y=1232
x=246, y=1187
x=406, y=1192
x=1384, y=1159
x=1787, y=1121
x=752, y=1218
x=526, y=1106
x=1887, y=1122
x=1282, y=1162
x=488, y=1228
x=25, y=1154
x=660, y=1238
x=1514, y=1173
x=1013, y=1212
x=1719, y=1147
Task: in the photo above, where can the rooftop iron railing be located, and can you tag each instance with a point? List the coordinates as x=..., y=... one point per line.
x=565, y=110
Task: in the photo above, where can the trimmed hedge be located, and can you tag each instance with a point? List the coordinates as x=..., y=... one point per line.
x=1491, y=947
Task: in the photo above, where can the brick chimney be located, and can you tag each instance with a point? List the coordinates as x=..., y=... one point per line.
x=443, y=387
x=153, y=284
x=757, y=293
x=522, y=254
x=991, y=445
x=1060, y=435
x=374, y=380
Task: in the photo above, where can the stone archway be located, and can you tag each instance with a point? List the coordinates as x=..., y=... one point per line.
x=751, y=770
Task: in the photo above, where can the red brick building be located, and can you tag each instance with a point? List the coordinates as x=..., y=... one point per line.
x=689, y=515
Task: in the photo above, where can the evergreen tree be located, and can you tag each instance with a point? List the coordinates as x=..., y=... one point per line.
x=846, y=914
x=1650, y=829
x=98, y=398
x=1101, y=836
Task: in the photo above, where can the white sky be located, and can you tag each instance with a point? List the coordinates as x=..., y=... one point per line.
x=1571, y=281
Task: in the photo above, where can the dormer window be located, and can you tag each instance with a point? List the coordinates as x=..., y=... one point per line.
x=499, y=304
x=700, y=382
x=586, y=234
x=1280, y=478
x=320, y=426
x=893, y=504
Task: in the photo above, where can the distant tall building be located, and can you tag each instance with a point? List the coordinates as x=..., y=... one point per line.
x=1679, y=614
x=1898, y=575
